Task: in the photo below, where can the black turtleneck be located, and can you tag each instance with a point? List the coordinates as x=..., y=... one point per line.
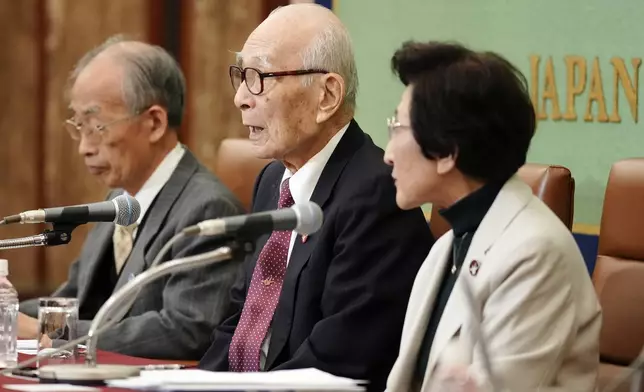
x=464, y=216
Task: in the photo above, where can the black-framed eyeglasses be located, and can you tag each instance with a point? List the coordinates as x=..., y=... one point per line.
x=254, y=78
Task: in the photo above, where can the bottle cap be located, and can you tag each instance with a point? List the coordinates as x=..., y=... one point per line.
x=4, y=267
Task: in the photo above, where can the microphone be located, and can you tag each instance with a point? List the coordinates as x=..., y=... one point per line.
x=122, y=210
x=303, y=218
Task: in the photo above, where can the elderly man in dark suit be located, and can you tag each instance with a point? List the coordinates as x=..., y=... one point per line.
x=334, y=300
x=128, y=100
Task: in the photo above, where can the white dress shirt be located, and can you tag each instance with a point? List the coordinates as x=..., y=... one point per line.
x=302, y=183
x=157, y=181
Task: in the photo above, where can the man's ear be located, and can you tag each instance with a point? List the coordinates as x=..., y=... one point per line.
x=331, y=96
x=157, y=122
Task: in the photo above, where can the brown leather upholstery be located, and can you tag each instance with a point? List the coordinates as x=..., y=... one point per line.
x=619, y=272
x=552, y=184
x=608, y=373
x=237, y=168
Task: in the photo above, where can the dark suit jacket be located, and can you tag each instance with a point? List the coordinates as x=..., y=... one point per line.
x=174, y=316
x=346, y=288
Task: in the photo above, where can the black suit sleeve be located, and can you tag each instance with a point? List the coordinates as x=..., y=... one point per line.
x=377, y=253
x=216, y=358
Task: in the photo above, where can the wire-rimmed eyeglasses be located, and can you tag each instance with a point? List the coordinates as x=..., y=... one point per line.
x=93, y=131
x=393, y=125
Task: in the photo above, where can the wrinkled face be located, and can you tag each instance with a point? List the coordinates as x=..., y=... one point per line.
x=418, y=179
x=283, y=119
x=114, y=143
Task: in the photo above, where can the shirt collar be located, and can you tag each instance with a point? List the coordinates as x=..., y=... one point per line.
x=303, y=182
x=158, y=179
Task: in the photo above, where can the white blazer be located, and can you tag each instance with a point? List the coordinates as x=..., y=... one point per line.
x=540, y=315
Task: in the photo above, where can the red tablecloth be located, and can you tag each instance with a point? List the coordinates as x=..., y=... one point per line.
x=102, y=357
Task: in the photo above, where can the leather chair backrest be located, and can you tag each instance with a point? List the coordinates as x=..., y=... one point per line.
x=238, y=168
x=553, y=184
x=619, y=271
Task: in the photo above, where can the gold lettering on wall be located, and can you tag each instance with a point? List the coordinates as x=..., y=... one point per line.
x=596, y=95
x=534, y=83
x=630, y=87
x=584, y=80
x=550, y=93
x=575, y=84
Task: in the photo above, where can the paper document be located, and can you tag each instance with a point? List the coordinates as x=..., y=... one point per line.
x=49, y=387
x=201, y=380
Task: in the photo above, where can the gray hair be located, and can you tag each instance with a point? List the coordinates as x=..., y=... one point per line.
x=152, y=77
x=332, y=50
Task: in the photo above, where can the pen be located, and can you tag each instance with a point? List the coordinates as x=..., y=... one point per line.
x=26, y=372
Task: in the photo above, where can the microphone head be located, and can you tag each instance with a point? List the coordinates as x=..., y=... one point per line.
x=129, y=210
x=309, y=217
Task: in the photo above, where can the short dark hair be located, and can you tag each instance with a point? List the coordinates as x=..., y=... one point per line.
x=472, y=104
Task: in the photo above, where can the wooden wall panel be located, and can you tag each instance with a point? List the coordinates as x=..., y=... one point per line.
x=19, y=131
x=74, y=27
x=215, y=30
x=39, y=165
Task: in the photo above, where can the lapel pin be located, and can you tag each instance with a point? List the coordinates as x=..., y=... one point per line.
x=474, y=267
x=304, y=238
x=130, y=277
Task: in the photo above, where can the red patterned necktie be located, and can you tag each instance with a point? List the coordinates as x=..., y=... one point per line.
x=262, y=298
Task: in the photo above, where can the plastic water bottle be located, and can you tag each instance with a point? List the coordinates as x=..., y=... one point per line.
x=8, y=318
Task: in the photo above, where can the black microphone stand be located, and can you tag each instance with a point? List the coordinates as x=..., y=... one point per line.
x=60, y=234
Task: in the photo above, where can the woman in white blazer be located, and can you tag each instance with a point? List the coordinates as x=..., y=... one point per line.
x=461, y=131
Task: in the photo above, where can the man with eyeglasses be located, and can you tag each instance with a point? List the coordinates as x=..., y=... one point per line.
x=127, y=100
x=334, y=300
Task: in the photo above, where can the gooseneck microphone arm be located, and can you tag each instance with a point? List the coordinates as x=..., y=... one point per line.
x=24, y=242
x=105, y=318
x=126, y=293
x=111, y=313
x=61, y=234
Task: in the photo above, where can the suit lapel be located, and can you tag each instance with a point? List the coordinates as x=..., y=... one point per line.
x=100, y=241
x=511, y=200
x=155, y=217
x=421, y=305
x=350, y=142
